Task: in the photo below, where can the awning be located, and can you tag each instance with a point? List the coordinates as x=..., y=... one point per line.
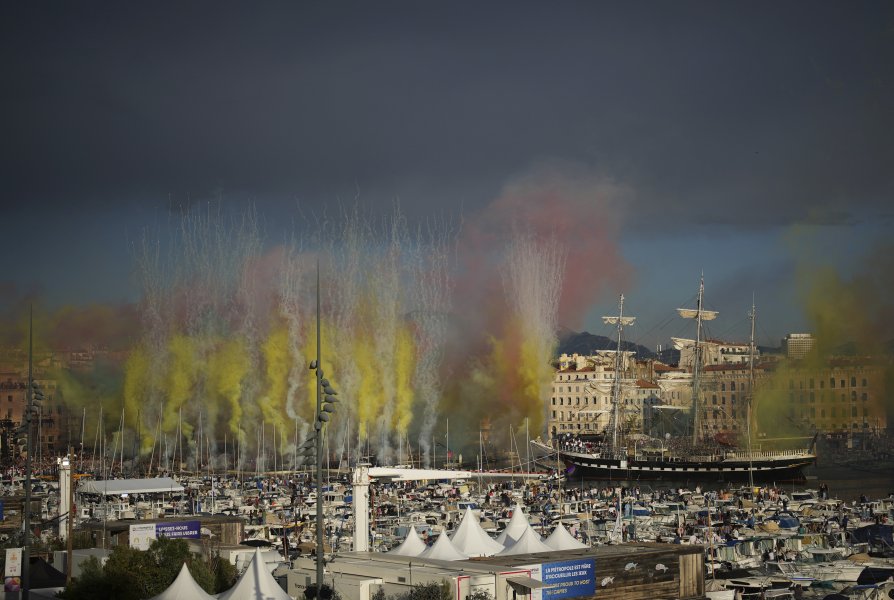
x=116, y=487
x=522, y=584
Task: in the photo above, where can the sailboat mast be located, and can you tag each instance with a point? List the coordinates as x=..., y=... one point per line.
x=748, y=409
x=700, y=315
x=696, y=366
x=618, y=321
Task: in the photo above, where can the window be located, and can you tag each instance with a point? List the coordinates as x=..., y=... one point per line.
x=722, y=387
x=864, y=397
x=732, y=386
x=811, y=383
x=831, y=382
x=812, y=398
x=853, y=382
x=714, y=399
x=864, y=382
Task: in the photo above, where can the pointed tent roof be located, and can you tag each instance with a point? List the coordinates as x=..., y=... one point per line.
x=471, y=539
x=256, y=583
x=184, y=588
x=528, y=543
x=443, y=549
x=516, y=527
x=411, y=546
x=560, y=539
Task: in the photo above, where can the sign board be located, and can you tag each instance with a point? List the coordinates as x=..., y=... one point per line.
x=569, y=579
x=142, y=535
x=13, y=562
x=12, y=582
x=179, y=530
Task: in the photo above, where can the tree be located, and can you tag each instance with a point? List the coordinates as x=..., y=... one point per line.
x=131, y=574
x=436, y=590
x=326, y=592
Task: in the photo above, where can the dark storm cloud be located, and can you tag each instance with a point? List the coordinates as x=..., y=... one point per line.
x=746, y=114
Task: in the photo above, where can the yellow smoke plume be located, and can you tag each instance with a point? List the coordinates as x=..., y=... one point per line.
x=180, y=380
x=370, y=394
x=136, y=390
x=277, y=364
x=227, y=368
x=404, y=366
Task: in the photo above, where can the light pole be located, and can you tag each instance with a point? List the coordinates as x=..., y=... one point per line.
x=325, y=406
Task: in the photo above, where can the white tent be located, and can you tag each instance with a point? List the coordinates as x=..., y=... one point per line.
x=528, y=543
x=256, y=583
x=411, y=546
x=116, y=487
x=470, y=539
x=184, y=588
x=516, y=527
x=443, y=549
x=560, y=539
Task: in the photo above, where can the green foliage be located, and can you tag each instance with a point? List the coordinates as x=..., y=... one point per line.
x=131, y=574
x=428, y=591
x=480, y=595
x=326, y=592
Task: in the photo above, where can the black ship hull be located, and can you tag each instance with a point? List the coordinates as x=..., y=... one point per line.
x=765, y=467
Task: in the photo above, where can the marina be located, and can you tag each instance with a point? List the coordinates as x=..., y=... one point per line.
x=765, y=541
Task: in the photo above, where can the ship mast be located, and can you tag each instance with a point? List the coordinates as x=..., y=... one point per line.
x=752, y=315
x=699, y=314
x=620, y=321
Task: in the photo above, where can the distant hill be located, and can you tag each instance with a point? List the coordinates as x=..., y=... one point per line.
x=584, y=343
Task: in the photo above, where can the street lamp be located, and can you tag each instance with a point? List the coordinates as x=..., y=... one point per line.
x=325, y=406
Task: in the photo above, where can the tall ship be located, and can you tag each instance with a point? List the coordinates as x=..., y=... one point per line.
x=613, y=453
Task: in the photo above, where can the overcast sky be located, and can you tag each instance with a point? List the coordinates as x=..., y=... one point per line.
x=728, y=126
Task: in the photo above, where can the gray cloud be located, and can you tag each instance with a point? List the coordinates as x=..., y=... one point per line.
x=747, y=114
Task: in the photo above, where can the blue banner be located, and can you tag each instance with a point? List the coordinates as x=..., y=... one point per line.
x=180, y=529
x=569, y=579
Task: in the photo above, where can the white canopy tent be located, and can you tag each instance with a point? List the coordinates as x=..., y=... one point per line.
x=411, y=546
x=561, y=539
x=443, y=549
x=256, y=583
x=470, y=539
x=529, y=543
x=184, y=588
x=516, y=527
